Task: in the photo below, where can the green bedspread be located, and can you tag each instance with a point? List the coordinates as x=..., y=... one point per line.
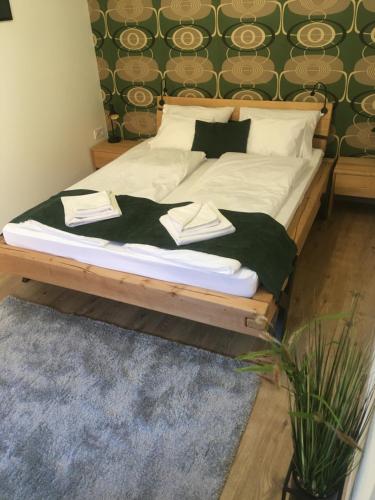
x=259, y=242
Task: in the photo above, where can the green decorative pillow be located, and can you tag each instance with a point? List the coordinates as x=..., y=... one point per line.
x=216, y=139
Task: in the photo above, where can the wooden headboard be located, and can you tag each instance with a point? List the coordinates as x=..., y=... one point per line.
x=321, y=131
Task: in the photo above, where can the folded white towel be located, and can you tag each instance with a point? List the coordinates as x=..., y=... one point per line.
x=89, y=208
x=193, y=216
x=87, y=203
x=200, y=232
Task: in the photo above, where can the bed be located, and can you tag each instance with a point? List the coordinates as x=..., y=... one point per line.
x=231, y=301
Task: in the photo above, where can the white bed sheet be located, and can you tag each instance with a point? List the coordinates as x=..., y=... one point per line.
x=119, y=258
x=221, y=275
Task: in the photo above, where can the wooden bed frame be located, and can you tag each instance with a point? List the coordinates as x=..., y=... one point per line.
x=244, y=315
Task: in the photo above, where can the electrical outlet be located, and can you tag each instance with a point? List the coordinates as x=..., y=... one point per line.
x=98, y=133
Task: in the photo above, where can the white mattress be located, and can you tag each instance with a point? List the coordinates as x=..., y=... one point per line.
x=221, y=276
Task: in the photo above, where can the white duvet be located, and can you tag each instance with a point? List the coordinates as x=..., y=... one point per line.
x=237, y=181
x=245, y=183
x=149, y=174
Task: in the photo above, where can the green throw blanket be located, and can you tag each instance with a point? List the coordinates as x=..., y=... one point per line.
x=259, y=242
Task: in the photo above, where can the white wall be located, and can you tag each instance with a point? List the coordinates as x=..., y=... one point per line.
x=49, y=101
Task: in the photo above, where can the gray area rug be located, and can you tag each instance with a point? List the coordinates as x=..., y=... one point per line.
x=91, y=411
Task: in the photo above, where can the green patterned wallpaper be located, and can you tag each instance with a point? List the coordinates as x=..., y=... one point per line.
x=248, y=49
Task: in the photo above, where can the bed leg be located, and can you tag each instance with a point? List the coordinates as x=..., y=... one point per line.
x=326, y=205
x=280, y=323
x=283, y=306
x=327, y=199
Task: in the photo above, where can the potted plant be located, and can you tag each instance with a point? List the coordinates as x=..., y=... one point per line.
x=331, y=401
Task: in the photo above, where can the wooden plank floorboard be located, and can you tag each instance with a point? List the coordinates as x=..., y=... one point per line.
x=338, y=258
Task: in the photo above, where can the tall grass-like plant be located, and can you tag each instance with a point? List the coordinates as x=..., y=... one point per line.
x=331, y=398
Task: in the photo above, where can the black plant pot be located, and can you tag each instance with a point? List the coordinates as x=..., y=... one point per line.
x=293, y=491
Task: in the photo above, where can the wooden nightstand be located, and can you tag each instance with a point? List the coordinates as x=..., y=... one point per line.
x=104, y=152
x=355, y=176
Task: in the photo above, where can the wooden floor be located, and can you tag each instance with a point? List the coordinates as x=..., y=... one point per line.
x=339, y=258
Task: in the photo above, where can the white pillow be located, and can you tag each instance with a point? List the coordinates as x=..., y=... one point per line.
x=220, y=114
x=175, y=132
x=271, y=137
x=310, y=118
